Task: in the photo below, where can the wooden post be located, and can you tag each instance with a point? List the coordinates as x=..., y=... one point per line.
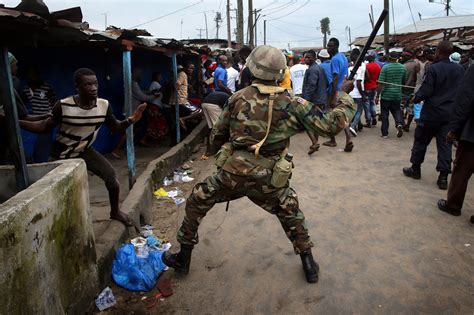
x=12, y=126
x=175, y=78
x=250, y=24
x=229, y=38
x=264, y=32
x=386, y=28
x=240, y=23
x=127, y=86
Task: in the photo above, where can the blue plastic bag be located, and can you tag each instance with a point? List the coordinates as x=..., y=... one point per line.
x=136, y=274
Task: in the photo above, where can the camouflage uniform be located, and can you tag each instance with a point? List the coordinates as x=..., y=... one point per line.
x=243, y=123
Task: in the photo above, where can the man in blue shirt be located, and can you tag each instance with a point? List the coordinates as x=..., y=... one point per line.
x=325, y=58
x=339, y=66
x=220, y=75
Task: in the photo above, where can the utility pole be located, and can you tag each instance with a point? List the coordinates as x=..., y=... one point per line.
x=264, y=32
x=371, y=16
x=200, y=30
x=255, y=12
x=386, y=27
x=348, y=28
x=229, y=36
x=250, y=24
x=207, y=33
x=448, y=7
x=218, y=20
x=105, y=19
x=240, y=23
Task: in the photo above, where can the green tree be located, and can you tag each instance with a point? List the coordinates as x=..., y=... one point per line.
x=325, y=29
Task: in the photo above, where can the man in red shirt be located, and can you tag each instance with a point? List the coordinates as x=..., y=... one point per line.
x=372, y=71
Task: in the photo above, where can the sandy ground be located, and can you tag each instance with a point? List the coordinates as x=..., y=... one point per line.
x=382, y=245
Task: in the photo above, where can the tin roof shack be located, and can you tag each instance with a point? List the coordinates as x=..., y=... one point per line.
x=212, y=44
x=58, y=44
x=457, y=29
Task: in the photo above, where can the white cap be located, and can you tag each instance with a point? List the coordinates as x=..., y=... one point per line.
x=324, y=54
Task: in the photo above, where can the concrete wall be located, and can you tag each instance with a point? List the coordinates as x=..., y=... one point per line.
x=47, y=246
x=139, y=201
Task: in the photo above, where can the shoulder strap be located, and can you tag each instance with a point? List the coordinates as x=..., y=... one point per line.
x=257, y=146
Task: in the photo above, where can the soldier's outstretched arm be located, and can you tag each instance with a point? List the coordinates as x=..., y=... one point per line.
x=330, y=123
x=220, y=132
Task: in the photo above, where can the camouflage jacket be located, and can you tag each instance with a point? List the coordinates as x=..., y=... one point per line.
x=243, y=121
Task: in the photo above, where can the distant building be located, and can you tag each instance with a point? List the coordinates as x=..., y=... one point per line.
x=459, y=30
x=213, y=44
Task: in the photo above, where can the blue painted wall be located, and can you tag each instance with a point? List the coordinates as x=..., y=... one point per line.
x=57, y=66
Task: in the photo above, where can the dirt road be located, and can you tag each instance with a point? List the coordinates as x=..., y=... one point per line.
x=382, y=245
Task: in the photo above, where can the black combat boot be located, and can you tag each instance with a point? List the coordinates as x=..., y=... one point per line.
x=179, y=261
x=310, y=267
x=442, y=181
x=414, y=171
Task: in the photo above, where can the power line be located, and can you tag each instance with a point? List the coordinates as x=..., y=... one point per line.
x=168, y=14
x=413, y=19
x=279, y=8
x=285, y=31
x=289, y=13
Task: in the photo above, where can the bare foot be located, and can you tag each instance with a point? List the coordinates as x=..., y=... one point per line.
x=204, y=157
x=330, y=143
x=122, y=217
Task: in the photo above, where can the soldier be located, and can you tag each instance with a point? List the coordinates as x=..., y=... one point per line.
x=253, y=135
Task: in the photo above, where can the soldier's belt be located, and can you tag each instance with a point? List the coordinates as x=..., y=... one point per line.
x=250, y=156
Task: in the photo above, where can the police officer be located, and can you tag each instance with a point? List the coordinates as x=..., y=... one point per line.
x=253, y=135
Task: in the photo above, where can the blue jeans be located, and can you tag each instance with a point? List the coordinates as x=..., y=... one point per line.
x=358, y=114
x=369, y=106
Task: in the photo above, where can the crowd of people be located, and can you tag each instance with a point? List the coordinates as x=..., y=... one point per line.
x=413, y=85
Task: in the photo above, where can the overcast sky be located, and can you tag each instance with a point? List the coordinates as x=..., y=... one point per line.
x=289, y=22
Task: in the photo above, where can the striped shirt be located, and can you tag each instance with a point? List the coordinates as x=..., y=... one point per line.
x=78, y=127
x=40, y=99
x=392, y=73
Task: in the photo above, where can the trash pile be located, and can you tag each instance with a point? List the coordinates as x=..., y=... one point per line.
x=138, y=264
x=174, y=193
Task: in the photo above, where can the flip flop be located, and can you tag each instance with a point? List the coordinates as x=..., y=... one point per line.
x=349, y=147
x=128, y=222
x=329, y=144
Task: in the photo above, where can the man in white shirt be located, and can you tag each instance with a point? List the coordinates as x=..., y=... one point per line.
x=358, y=93
x=232, y=77
x=297, y=77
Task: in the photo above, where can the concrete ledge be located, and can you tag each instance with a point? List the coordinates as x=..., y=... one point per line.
x=138, y=203
x=47, y=246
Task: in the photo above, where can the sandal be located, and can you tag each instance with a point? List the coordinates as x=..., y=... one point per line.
x=329, y=143
x=313, y=148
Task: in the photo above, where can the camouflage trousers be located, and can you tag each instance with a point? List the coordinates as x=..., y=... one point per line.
x=224, y=186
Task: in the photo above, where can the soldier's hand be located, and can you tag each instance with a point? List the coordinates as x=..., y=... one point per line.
x=347, y=86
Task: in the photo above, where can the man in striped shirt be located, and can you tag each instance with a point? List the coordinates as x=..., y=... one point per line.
x=389, y=89
x=79, y=119
x=41, y=99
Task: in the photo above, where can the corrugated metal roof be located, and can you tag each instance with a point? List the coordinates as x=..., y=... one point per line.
x=460, y=37
x=65, y=31
x=446, y=22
